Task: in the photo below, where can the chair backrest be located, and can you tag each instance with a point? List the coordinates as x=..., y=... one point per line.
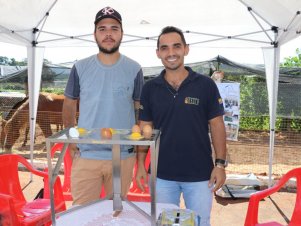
x=9, y=177
x=296, y=216
x=146, y=165
x=135, y=194
x=294, y=173
x=58, y=147
x=252, y=213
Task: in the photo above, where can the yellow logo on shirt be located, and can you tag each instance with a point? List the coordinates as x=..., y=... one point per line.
x=220, y=100
x=192, y=100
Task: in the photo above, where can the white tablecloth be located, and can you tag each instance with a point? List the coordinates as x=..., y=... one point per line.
x=101, y=214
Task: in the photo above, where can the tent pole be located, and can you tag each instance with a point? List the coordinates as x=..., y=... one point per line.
x=271, y=58
x=35, y=57
x=273, y=114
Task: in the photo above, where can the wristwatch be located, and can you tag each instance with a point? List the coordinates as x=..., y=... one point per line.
x=221, y=163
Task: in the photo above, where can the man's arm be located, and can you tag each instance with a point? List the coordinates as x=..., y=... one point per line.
x=69, y=118
x=136, y=108
x=218, y=137
x=69, y=112
x=141, y=156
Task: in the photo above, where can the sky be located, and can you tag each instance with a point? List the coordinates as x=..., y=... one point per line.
x=146, y=56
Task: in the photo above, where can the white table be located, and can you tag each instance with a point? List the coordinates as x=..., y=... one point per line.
x=101, y=213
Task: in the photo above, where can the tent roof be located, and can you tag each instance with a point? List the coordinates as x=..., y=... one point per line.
x=66, y=23
x=231, y=23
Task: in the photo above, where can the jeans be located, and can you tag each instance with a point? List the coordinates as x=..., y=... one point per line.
x=197, y=196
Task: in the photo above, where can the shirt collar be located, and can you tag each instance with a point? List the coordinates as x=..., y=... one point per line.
x=191, y=76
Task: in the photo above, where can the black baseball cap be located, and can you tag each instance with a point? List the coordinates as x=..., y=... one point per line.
x=108, y=12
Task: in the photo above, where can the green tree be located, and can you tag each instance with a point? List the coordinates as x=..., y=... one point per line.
x=4, y=60
x=293, y=61
x=291, y=123
x=12, y=61
x=22, y=63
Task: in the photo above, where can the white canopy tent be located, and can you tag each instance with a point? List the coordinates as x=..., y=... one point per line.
x=265, y=24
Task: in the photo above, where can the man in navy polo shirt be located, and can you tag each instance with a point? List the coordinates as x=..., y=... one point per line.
x=184, y=105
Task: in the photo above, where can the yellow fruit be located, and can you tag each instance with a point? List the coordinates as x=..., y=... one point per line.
x=112, y=130
x=135, y=136
x=82, y=131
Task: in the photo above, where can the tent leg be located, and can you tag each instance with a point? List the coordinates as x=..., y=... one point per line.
x=271, y=155
x=35, y=56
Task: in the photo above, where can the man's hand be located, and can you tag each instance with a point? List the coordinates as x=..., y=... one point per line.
x=141, y=177
x=218, y=178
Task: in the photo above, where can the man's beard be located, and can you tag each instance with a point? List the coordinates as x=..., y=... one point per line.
x=108, y=51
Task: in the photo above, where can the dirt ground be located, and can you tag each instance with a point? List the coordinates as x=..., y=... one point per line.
x=250, y=154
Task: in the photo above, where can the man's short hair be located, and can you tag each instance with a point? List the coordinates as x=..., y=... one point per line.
x=171, y=29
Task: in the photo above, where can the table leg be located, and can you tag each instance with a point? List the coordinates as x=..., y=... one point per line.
x=51, y=183
x=53, y=174
x=154, y=149
x=117, y=202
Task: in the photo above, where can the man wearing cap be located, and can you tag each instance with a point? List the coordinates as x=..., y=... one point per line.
x=108, y=86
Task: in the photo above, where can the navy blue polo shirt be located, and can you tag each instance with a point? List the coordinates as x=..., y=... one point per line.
x=182, y=116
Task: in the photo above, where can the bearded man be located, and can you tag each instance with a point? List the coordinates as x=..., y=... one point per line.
x=108, y=86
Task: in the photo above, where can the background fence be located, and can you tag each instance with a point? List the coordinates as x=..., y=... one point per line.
x=250, y=153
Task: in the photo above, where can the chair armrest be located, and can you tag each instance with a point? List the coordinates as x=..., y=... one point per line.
x=57, y=187
x=252, y=213
x=275, y=188
x=57, y=191
x=30, y=167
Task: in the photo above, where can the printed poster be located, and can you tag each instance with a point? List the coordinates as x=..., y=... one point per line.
x=230, y=93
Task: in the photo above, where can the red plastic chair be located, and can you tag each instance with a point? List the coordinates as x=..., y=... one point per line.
x=252, y=214
x=14, y=208
x=135, y=193
x=58, y=147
